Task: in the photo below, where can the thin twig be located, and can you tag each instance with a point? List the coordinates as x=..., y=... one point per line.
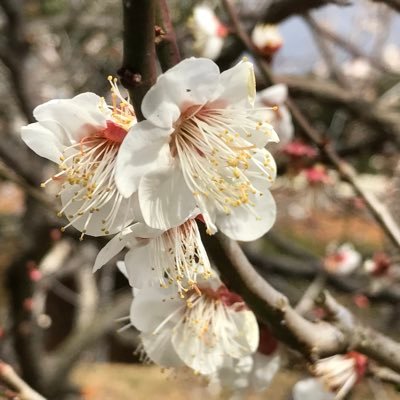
x=327, y=54
x=10, y=377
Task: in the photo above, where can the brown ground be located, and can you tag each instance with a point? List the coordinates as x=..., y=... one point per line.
x=136, y=382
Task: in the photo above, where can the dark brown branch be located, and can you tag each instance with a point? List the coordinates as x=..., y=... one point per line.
x=14, y=53
x=138, y=71
x=270, y=306
x=167, y=48
x=278, y=10
x=313, y=340
x=395, y=4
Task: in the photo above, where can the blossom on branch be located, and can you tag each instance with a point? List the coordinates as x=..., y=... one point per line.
x=279, y=117
x=208, y=31
x=311, y=388
x=340, y=373
x=200, y=332
x=342, y=260
x=252, y=373
x=163, y=258
x=216, y=160
x=267, y=39
x=83, y=136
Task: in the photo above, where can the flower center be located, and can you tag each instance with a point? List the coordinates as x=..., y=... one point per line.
x=114, y=133
x=218, y=163
x=87, y=168
x=208, y=318
x=179, y=257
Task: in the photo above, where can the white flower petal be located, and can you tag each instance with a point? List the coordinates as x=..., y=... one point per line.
x=239, y=84
x=122, y=268
x=264, y=370
x=160, y=350
x=165, y=199
x=191, y=82
x=195, y=352
x=144, y=148
x=283, y=125
x=45, y=138
x=262, y=169
x=260, y=136
x=311, y=388
x=244, y=226
x=247, y=336
x=95, y=227
x=143, y=231
x=151, y=306
x=138, y=266
x=112, y=248
x=274, y=95
x=79, y=116
x=234, y=374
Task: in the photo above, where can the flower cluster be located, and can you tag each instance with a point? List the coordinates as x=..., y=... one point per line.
x=199, y=157
x=335, y=377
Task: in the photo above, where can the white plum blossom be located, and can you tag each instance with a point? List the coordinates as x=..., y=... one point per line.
x=200, y=331
x=208, y=31
x=342, y=260
x=311, y=388
x=252, y=373
x=266, y=38
x=206, y=145
x=173, y=257
x=279, y=117
x=340, y=373
x=83, y=136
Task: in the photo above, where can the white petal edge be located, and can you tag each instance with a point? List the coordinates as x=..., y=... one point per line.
x=144, y=149
x=191, y=82
x=165, y=199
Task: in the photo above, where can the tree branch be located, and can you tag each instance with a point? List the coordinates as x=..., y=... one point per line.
x=313, y=340
x=271, y=307
x=138, y=71
x=66, y=355
x=10, y=377
x=395, y=4
x=167, y=48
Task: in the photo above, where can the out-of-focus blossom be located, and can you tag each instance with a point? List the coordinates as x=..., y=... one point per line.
x=297, y=149
x=342, y=260
x=391, y=56
x=340, y=373
x=311, y=389
x=208, y=31
x=317, y=175
x=279, y=117
x=358, y=69
x=210, y=325
x=163, y=258
x=361, y=301
x=253, y=373
x=267, y=39
x=206, y=142
x=379, y=265
x=83, y=136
